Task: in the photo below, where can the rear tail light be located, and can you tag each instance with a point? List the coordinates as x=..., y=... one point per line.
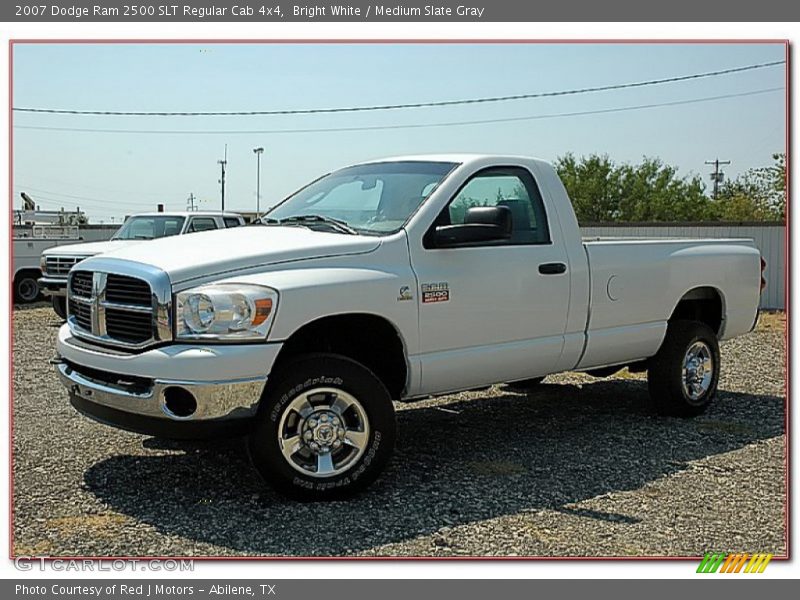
x=763, y=266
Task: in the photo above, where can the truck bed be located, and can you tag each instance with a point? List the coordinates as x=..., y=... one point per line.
x=633, y=291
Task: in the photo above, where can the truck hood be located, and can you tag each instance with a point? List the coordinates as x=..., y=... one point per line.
x=208, y=253
x=89, y=248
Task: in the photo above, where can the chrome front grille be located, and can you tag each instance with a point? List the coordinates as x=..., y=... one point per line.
x=59, y=266
x=81, y=284
x=82, y=313
x=128, y=326
x=118, y=303
x=128, y=290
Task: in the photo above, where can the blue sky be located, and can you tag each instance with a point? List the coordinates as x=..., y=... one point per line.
x=111, y=174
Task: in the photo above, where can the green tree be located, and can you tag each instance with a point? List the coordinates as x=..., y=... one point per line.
x=650, y=191
x=759, y=194
x=593, y=186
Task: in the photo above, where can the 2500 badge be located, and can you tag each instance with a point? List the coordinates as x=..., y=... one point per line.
x=435, y=292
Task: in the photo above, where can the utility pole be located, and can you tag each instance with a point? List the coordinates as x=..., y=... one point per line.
x=258, y=152
x=222, y=164
x=190, y=205
x=717, y=176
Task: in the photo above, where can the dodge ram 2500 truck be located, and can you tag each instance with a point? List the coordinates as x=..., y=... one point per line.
x=396, y=279
x=56, y=263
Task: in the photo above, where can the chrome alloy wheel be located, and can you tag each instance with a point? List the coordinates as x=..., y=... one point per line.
x=698, y=370
x=323, y=432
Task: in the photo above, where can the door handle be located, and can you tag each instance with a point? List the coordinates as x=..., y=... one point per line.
x=552, y=268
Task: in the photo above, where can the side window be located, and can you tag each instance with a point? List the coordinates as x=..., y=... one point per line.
x=201, y=224
x=512, y=187
x=231, y=222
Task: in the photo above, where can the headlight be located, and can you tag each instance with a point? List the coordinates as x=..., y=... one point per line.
x=227, y=311
x=43, y=264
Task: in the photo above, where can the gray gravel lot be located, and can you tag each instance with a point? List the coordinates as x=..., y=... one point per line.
x=580, y=468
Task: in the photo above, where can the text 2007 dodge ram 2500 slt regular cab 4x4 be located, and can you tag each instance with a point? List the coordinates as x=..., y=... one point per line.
x=391, y=280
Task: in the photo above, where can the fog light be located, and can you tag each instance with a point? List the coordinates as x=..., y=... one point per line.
x=179, y=403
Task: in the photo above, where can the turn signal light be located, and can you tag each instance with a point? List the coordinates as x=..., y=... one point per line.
x=763, y=266
x=263, y=308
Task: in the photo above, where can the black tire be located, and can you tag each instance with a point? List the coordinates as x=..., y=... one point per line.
x=526, y=385
x=60, y=306
x=26, y=287
x=286, y=385
x=665, y=375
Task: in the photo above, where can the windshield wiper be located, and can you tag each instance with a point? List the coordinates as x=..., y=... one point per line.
x=336, y=224
x=265, y=221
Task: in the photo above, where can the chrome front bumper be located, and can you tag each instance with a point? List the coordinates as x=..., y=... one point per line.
x=53, y=286
x=216, y=400
x=131, y=390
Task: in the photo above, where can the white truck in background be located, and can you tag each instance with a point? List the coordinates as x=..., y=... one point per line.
x=55, y=263
x=27, y=247
x=396, y=279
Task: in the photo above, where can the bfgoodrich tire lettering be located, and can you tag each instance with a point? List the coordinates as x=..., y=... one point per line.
x=682, y=377
x=326, y=428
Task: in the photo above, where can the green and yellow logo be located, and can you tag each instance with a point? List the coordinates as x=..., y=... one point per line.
x=720, y=562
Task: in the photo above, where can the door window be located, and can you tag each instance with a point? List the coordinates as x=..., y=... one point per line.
x=513, y=188
x=202, y=224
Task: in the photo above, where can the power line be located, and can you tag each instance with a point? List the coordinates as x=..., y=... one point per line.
x=404, y=126
x=37, y=190
x=381, y=107
x=38, y=193
x=104, y=190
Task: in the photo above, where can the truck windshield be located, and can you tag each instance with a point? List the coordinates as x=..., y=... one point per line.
x=374, y=199
x=149, y=227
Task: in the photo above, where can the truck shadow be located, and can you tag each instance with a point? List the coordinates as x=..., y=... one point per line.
x=480, y=458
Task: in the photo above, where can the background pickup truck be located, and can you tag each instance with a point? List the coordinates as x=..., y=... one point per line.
x=391, y=280
x=56, y=263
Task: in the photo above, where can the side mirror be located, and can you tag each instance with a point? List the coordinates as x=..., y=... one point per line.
x=481, y=224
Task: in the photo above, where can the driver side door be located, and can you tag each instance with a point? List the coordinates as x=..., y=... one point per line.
x=493, y=311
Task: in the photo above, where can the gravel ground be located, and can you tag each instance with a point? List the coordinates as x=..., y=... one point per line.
x=580, y=468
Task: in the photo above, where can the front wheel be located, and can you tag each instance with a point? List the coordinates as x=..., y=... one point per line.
x=683, y=375
x=326, y=428
x=60, y=306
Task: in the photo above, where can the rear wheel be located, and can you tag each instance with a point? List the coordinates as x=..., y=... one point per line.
x=683, y=375
x=60, y=306
x=326, y=428
x=26, y=288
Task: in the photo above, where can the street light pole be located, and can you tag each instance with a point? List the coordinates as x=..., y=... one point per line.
x=222, y=163
x=258, y=152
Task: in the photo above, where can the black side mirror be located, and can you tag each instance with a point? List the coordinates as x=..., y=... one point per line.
x=481, y=224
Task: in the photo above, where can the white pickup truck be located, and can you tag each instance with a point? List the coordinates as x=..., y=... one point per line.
x=56, y=263
x=396, y=279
